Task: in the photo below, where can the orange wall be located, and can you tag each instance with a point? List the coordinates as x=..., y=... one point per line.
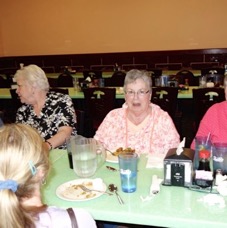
x=1, y=43
x=30, y=27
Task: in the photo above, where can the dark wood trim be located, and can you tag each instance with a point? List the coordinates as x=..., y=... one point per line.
x=170, y=59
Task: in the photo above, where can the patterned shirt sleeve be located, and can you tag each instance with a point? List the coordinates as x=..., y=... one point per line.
x=58, y=111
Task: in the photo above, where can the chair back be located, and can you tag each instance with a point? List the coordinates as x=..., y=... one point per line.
x=213, y=70
x=16, y=103
x=184, y=75
x=53, y=82
x=92, y=73
x=4, y=83
x=98, y=102
x=65, y=80
x=117, y=79
x=203, y=98
x=214, y=74
x=166, y=98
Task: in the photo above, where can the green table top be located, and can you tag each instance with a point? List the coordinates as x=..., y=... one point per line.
x=172, y=207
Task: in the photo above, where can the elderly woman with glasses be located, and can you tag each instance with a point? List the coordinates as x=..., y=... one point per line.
x=139, y=124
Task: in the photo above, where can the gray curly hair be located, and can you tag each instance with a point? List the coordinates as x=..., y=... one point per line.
x=34, y=76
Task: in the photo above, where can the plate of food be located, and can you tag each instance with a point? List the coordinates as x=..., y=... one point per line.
x=113, y=156
x=110, y=157
x=71, y=191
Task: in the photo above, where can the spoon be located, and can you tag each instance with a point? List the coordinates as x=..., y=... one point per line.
x=113, y=188
x=112, y=153
x=111, y=168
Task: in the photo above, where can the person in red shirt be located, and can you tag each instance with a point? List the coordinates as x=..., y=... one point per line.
x=214, y=122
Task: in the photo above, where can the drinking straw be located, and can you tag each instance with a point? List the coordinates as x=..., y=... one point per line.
x=208, y=137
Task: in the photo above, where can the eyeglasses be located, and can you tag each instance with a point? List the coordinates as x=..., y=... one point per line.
x=140, y=93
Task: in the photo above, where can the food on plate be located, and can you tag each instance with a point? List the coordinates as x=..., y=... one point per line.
x=121, y=151
x=73, y=191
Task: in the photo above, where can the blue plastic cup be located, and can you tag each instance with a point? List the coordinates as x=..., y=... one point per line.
x=128, y=171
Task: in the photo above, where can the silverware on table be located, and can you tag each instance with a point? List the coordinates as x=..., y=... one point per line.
x=113, y=188
x=93, y=190
x=113, y=153
x=111, y=168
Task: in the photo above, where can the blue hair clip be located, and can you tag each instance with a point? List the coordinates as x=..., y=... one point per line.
x=32, y=168
x=9, y=184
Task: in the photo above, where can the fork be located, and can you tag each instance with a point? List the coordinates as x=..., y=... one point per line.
x=93, y=190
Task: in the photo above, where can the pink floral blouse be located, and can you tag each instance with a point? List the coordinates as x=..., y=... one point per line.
x=157, y=135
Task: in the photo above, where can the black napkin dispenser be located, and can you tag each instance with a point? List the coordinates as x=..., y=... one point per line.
x=178, y=169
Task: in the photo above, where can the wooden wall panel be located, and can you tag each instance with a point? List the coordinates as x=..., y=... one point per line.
x=173, y=60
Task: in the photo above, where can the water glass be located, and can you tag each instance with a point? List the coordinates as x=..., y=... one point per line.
x=201, y=143
x=76, y=85
x=220, y=157
x=84, y=158
x=164, y=80
x=157, y=82
x=202, y=81
x=128, y=171
x=88, y=155
x=101, y=82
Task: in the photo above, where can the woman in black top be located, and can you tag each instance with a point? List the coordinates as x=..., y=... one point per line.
x=51, y=113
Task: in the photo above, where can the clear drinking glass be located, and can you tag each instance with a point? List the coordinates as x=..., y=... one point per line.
x=220, y=157
x=201, y=143
x=202, y=81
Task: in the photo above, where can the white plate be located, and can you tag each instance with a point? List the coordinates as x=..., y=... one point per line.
x=70, y=192
x=111, y=158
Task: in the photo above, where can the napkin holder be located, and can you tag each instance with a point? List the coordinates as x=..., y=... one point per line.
x=178, y=169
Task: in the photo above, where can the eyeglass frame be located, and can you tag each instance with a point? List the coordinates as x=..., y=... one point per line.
x=139, y=93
